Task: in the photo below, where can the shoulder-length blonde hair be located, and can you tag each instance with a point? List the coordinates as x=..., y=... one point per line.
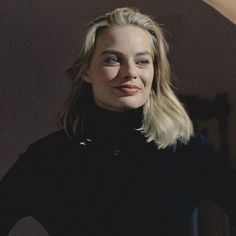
x=164, y=118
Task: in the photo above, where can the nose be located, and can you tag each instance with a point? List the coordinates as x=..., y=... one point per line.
x=129, y=71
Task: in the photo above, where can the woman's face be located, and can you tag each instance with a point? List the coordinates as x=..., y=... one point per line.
x=121, y=68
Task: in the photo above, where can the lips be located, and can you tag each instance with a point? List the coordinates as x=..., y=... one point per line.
x=128, y=89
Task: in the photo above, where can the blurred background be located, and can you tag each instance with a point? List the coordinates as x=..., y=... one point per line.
x=39, y=39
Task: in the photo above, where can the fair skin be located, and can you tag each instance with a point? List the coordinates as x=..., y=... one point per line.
x=225, y=7
x=121, y=69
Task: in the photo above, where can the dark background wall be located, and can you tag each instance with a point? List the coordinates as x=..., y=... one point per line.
x=38, y=40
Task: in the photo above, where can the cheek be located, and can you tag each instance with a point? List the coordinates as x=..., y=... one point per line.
x=149, y=75
x=106, y=73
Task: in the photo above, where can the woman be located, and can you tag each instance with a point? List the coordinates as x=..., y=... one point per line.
x=126, y=161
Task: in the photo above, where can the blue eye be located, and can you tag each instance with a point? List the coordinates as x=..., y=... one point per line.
x=143, y=62
x=112, y=60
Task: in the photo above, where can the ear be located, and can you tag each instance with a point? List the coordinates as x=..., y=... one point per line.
x=87, y=77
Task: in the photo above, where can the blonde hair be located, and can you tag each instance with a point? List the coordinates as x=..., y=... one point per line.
x=164, y=118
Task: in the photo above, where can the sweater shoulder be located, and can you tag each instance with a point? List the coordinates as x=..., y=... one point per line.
x=199, y=150
x=55, y=141
x=199, y=142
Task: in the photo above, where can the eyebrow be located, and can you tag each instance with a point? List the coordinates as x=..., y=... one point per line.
x=110, y=51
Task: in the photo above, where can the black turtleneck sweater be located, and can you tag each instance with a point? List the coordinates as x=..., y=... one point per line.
x=109, y=181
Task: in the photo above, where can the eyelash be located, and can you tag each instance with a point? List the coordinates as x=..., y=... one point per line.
x=143, y=61
x=113, y=60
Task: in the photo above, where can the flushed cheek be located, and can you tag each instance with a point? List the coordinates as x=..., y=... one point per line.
x=106, y=73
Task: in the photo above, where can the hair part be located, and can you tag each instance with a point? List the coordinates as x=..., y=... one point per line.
x=164, y=118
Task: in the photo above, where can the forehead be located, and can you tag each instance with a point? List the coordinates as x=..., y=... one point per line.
x=128, y=38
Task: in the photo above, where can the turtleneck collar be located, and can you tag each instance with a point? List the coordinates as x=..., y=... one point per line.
x=110, y=126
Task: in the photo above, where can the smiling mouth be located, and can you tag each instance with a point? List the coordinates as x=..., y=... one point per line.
x=128, y=89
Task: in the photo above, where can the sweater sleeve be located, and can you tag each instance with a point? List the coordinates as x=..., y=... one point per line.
x=223, y=180
x=217, y=178
x=17, y=189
